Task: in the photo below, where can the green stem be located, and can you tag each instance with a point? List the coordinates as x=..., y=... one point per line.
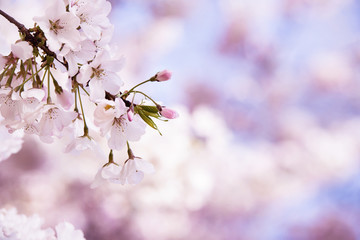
x=132, y=89
x=84, y=90
x=4, y=71
x=43, y=78
x=130, y=153
x=146, y=97
x=32, y=70
x=32, y=76
x=86, y=129
x=48, y=100
x=76, y=107
x=8, y=82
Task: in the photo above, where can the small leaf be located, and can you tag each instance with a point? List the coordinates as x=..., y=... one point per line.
x=148, y=120
x=151, y=109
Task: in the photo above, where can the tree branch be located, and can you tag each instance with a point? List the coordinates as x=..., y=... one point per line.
x=28, y=36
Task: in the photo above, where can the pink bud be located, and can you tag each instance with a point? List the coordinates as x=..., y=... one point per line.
x=130, y=115
x=163, y=76
x=168, y=113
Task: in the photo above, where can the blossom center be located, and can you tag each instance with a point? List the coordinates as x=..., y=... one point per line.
x=52, y=114
x=98, y=72
x=55, y=26
x=120, y=123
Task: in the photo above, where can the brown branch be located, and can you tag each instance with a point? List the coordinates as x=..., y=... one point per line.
x=28, y=36
x=111, y=97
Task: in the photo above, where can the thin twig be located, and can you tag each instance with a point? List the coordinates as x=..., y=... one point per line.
x=28, y=36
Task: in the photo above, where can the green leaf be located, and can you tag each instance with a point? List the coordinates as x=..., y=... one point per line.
x=151, y=109
x=148, y=120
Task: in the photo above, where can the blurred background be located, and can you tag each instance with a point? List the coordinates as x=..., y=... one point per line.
x=267, y=144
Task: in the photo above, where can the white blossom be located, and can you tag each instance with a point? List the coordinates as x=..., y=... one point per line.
x=80, y=56
x=53, y=121
x=66, y=231
x=14, y=226
x=108, y=173
x=81, y=143
x=10, y=108
x=22, y=50
x=92, y=15
x=134, y=169
x=101, y=75
x=60, y=27
x=12, y=144
x=112, y=117
x=122, y=130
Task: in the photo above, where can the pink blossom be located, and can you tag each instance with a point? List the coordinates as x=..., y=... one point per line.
x=168, y=113
x=133, y=170
x=105, y=113
x=123, y=130
x=101, y=75
x=22, y=50
x=53, y=121
x=163, y=76
x=66, y=231
x=93, y=16
x=60, y=27
x=108, y=173
x=65, y=99
x=130, y=114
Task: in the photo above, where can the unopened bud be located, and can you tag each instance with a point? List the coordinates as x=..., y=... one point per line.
x=130, y=114
x=163, y=76
x=168, y=113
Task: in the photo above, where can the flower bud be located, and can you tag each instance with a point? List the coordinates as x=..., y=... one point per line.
x=168, y=113
x=130, y=114
x=163, y=76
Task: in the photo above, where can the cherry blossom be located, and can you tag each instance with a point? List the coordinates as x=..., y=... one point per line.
x=134, y=169
x=105, y=113
x=12, y=144
x=113, y=117
x=80, y=143
x=17, y=226
x=32, y=97
x=123, y=130
x=66, y=231
x=60, y=27
x=92, y=15
x=53, y=121
x=65, y=58
x=77, y=57
x=10, y=109
x=101, y=76
x=65, y=99
x=108, y=173
x=22, y=50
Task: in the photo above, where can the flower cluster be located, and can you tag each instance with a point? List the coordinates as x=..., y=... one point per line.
x=18, y=226
x=65, y=57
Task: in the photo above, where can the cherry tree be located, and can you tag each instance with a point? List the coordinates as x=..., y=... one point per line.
x=65, y=58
